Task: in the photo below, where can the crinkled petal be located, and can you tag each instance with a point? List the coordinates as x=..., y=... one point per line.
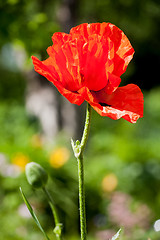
x=112, y=85
x=89, y=96
x=79, y=62
x=86, y=30
x=115, y=114
x=92, y=66
x=128, y=98
x=123, y=50
x=48, y=71
x=64, y=61
x=126, y=102
x=60, y=38
x=120, y=50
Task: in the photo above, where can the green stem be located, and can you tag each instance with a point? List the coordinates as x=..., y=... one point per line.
x=82, y=198
x=78, y=149
x=86, y=127
x=58, y=225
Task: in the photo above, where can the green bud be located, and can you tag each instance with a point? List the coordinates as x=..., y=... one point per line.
x=36, y=175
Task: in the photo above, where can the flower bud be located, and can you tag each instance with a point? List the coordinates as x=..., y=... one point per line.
x=36, y=175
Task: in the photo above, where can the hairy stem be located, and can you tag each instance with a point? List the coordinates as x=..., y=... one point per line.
x=86, y=128
x=78, y=149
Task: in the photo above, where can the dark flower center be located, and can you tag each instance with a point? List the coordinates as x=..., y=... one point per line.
x=104, y=104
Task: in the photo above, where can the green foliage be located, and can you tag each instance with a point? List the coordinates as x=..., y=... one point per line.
x=33, y=214
x=24, y=20
x=12, y=86
x=139, y=19
x=130, y=152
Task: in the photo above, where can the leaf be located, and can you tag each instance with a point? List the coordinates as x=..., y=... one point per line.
x=33, y=214
x=117, y=235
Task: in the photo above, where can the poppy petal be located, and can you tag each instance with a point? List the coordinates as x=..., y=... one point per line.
x=60, y=38
x=115, y=114
x=64, y=60
x=122, y=48
x=64, y=56
x=93, y=55
x=92, y=65
x=50, y=73
x=120, y=51
x=113, y=83
x=125, y=102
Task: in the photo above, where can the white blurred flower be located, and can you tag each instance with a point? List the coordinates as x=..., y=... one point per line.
x=157, y=225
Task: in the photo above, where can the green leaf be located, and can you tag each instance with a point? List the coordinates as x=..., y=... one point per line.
x=33, y=214
x=117, y=235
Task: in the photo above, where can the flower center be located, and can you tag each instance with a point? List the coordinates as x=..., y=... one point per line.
x=104, y=104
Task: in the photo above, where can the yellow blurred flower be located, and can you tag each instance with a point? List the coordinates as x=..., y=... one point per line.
x=109, y=182
x=20, y=160
x=36, y=141
x=59, y=157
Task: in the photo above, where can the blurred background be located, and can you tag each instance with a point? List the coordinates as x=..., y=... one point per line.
x=122, y=160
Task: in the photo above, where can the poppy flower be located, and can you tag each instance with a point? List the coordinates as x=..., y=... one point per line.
x=87, y=63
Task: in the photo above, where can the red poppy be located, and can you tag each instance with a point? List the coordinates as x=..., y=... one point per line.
x=87, y=63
